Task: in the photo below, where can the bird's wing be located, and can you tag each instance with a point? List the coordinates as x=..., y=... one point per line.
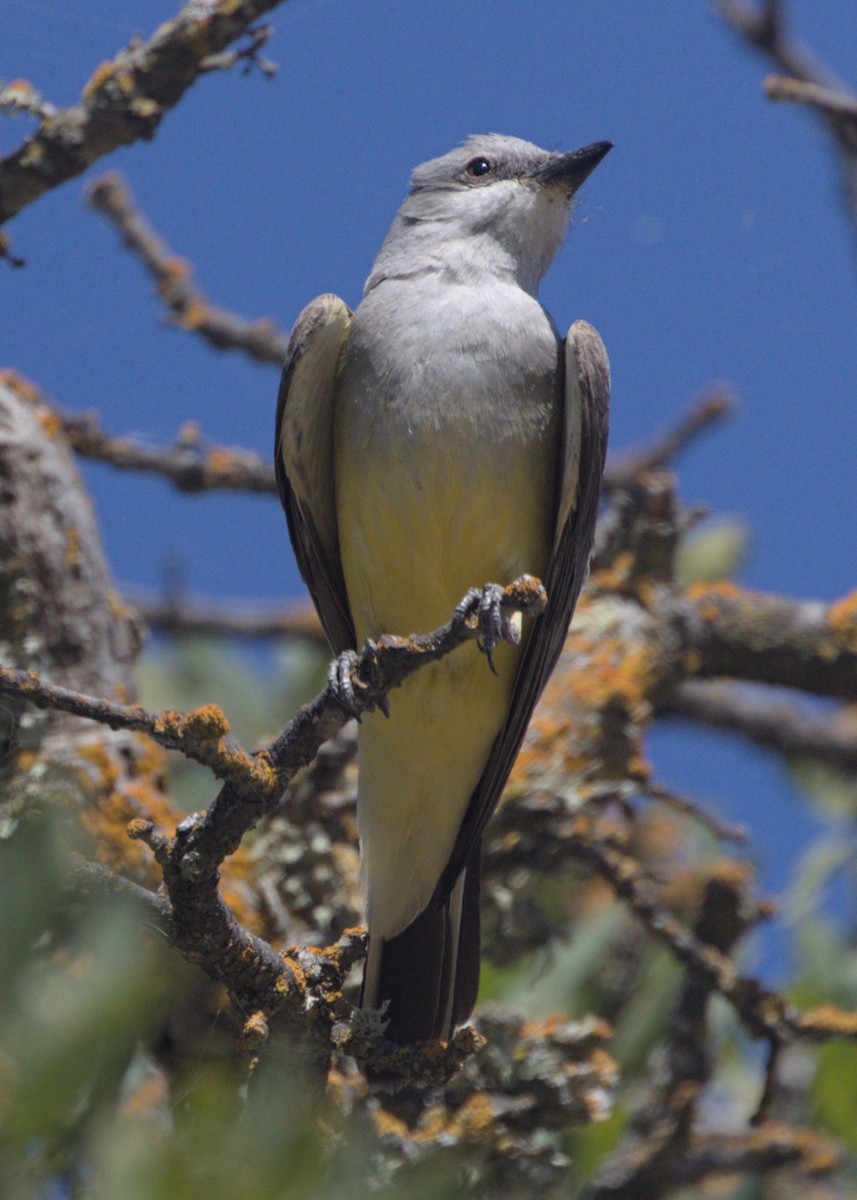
x=587, y=399
x=303, y=459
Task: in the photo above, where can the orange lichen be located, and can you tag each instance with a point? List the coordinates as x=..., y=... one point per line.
x=220, y=461
x=72, y=557
x=19, y=384
x=208, y=722
x=842, y=619
x=194, y=315
x=237, y=878
x=707, y=595
x=386, y=1125
x=609, y=579
x=49, y=421
x=173, y=269
x=120, y=788
x=99, y=78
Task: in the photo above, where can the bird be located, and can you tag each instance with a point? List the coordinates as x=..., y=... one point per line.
x=440, y=441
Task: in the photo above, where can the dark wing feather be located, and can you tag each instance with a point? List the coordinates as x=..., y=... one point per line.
x=587, y=399
x=303, y=459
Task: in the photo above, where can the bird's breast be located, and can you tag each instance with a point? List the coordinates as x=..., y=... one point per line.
x=446, y=443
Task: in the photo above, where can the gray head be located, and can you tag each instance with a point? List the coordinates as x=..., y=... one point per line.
x=496, y=206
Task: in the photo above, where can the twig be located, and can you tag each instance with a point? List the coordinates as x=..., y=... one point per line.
x=691, y=808
x=224, y=618
x=627, y=467
x=190, y=308
x=20, y=96
x=766, y=1014
x=199, y=735
x=125, y=100
x=767, y=1148
x=248, y=55
x=763, y=28
x=815, y=95
x=768, y=722
x=192, y=465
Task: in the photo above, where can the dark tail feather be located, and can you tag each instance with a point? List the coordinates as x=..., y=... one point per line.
x=429, y=973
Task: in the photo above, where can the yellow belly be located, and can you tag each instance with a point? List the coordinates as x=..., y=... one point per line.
x=417, y=529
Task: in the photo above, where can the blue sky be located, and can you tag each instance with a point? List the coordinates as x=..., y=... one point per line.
x=710, y=245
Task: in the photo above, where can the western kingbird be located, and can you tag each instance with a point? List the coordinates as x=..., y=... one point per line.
x=441, y=437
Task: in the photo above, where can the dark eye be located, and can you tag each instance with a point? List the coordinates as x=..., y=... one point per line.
x=478, y=166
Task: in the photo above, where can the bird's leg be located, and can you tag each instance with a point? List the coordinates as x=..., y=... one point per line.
x=495, y=624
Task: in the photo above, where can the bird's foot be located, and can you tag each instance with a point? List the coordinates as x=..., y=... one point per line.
x=496, y=625
x=349, y=672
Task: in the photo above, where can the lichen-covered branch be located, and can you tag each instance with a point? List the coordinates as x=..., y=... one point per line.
x=808, y=645
x=200, y=735
x=60, y=616
x=125, y=100
x=191, y=464
x=190, y=309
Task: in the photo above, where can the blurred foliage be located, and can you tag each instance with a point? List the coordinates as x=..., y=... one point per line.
x=715, y=550
x=118, y=1080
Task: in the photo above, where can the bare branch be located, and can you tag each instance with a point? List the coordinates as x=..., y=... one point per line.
x=125, y=100
x=809, y=82
x=628, y=466
x=248, y=55
x=192, y=464
x=229, y=618
x=691, y=808
x=191, y=310
x=770, y=722
x=814, y=95
x=766, y=1014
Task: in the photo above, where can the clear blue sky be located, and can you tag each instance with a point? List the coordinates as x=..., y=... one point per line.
x=710, y=245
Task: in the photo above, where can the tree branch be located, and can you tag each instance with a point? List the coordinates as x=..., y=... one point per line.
x=811, y=83
x=229, y=618
x=766, y=1014
x=805, y=644
x=192, y=465
x=190, y=308
x=626, y=467
x=772, y=723
x=813, y=95
x=125, y=100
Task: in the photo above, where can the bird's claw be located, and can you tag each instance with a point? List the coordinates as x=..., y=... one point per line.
x=340, y=680
x=341, y=675
x=495, y=625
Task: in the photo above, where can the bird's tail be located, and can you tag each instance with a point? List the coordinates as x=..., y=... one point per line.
x=429, y=973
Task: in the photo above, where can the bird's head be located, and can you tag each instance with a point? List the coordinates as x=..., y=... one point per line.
x=494, y=205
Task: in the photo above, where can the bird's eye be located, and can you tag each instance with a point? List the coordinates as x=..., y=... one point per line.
x=478, y=166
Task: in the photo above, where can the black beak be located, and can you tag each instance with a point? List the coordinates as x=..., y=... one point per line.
x=570, y=170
